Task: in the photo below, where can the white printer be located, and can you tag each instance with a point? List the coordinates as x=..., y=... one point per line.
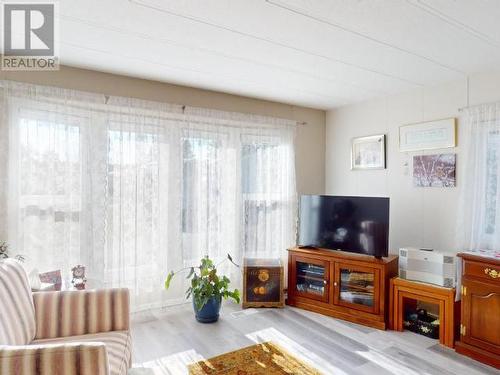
x=429, y=266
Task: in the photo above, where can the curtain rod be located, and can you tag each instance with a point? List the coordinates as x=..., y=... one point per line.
x=298, y=123
x=182, y=117
x=259, y=119
x=477, y=105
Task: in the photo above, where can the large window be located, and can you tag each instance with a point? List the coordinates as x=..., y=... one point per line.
x=131, y=190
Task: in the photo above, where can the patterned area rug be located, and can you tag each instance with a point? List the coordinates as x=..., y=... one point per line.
x=261, y=359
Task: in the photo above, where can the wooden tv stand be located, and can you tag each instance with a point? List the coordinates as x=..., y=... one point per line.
x=340, y=284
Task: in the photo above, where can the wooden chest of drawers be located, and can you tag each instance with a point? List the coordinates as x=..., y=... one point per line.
x=480, y=320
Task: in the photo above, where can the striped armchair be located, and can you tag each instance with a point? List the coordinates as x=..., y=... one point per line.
x=61, y=333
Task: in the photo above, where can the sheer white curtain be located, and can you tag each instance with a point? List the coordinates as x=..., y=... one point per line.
x=132, y=189
x=238, y=187
x=44, y=165
x=134, y=177
x=479, y=214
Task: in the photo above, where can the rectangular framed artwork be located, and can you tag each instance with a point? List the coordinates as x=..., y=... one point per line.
x=428, y=135
x=434, y=170
x=368, y=152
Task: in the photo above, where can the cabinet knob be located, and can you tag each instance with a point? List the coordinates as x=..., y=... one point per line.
x=335, y=283
x=325, y=282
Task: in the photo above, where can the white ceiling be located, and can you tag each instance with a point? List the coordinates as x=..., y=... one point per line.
x=316, y=53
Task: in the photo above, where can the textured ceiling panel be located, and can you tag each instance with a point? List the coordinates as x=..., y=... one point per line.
x=316, y=53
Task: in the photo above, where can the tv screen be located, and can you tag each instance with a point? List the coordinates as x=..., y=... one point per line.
x=354, y=224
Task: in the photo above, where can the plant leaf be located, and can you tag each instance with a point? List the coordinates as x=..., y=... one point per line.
x=191, y=273
x=169, y=279
x=236, y=295
x=232, y=261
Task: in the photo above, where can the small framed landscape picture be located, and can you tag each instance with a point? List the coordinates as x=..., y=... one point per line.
x=368, y=152
x=434, y=170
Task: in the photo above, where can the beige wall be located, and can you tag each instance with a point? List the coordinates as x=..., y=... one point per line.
x=423, y=217
x=310, y=140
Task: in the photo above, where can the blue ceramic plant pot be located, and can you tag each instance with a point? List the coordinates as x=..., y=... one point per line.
x=210, y=312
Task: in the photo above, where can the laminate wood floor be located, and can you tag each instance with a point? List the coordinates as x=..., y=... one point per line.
x=168, y=339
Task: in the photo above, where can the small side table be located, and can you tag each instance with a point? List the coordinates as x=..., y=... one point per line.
x=401, y=290
x=263, y=283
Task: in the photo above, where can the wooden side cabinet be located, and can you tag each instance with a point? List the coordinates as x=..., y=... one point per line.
x=480, y=319
x=344, y=285
x=407, y=291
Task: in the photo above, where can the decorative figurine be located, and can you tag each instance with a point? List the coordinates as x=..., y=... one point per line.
x=79, y=279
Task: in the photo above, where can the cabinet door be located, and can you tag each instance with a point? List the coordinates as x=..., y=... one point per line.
x=310, y=278
x=481, y=315
x=357, y=287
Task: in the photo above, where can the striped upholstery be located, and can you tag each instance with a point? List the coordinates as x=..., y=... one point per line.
x=55, y=359
x=72, y=313
x=74, y=332
x=17, y=317
x=118, y=346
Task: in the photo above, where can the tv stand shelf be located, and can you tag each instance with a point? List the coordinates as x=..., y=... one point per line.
x=343, y=285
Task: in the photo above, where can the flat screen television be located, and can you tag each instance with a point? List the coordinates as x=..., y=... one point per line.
x=354, y=224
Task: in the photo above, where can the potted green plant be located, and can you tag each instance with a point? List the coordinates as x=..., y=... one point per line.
x=207, y=289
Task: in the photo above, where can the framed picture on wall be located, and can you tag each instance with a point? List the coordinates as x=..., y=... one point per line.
x=428, y=135
x=368, y=152
x=434, y=170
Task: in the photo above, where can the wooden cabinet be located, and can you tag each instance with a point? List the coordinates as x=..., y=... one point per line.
x=407, y=292
x=312, y=278
x=344, y=285
x=263, y=283
x=480, y=319
x=357, y=287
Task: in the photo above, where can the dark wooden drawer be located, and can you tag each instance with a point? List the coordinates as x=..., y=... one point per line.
x=482, y=270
